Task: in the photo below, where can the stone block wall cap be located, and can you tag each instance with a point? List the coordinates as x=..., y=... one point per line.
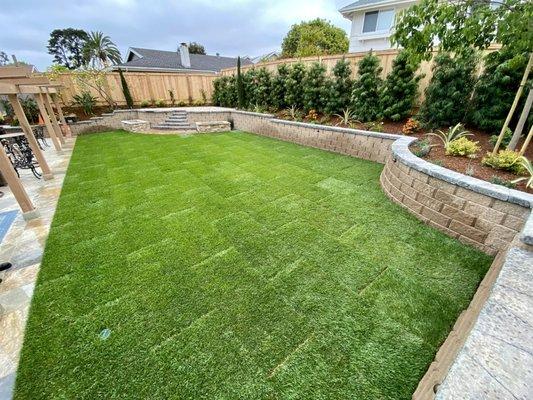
x=81, y=123
x=257, y=114
x=96, y=118
x=401, y=152
x=527, y=232
x=389, y=136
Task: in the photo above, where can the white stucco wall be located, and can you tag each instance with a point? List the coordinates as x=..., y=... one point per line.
x=360, y=41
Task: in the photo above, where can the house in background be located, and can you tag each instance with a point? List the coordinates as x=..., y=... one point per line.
x=373, y=22
x=148, y=60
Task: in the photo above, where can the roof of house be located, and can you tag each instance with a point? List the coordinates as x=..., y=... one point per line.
x=362, y=4
x=149, y=59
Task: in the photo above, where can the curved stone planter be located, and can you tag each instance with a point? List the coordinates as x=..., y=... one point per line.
x=476, y=212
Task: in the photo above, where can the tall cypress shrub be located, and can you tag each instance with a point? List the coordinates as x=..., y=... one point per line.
x=400, y=89
x=295, y=93
x=240, y=85
x=366, y=91
x=125, y=89
x=448, y=93
x=279, y=87
x=495, y=90
x=315, y=88
x=340, y=88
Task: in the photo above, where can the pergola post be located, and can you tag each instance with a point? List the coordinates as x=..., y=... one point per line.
x=14, y=183
x=50, y=110
x=47, y=123
x=25, y=125
x=55, y=99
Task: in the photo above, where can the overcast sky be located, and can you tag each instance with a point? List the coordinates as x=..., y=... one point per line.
x=228, y=27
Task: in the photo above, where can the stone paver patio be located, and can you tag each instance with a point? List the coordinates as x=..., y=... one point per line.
x=23, y=246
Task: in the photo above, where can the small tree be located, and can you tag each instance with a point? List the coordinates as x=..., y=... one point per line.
x=400, y=89
x=125, y=89
x=95, y=79
x=295, y=94
x=315, y=88
x=263, y=87
x=496, y=88
x=340, y=89
x=366, y=91
x=448, y=93
x=196, y=48
x=279, y=87
x=240, y=85
x=314, y=38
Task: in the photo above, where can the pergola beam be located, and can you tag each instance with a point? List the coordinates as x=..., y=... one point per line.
x=47, y=122
x=50, y=110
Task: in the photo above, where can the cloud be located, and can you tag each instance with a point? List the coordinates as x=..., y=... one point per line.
x=230, y=27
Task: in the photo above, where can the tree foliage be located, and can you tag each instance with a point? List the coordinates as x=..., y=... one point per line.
x=4, y=58
x=279, y=87
x=400, y=88
x=494, y=91
x=66, y=45
x=262, y=88
x=240, y=85
x=460, y=25
x=366, y=91
x=448, y=93
x=125, y=89
x=100, y=51
x=196, y=48
x=340, y=89
x=295, y=93
x=315, y=88
x=225, y=91
x=316, y=37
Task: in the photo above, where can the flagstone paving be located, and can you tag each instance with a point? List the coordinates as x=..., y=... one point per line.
x=23, y=246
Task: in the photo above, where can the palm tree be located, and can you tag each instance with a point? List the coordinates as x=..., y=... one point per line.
x=100, y=50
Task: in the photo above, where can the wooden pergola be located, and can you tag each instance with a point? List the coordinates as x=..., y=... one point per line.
x=19, y=80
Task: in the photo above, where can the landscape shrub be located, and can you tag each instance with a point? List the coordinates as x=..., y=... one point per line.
x=160, y=103
x=506, y=160
x=263, y=88
x=86, y=101
x=279, y=87
x=507, y=136
x=366, y=91
x=315, y=88
x=411, y=126
x=400, y=89
x=463, y=147
x=495, y=90
x=448, y=92
x=224, y=91
x=125, y=89
x=145, y=103
x=295, y=93
x=453, y=133
x=528, y=170
x=249, y=81
x=340, y=88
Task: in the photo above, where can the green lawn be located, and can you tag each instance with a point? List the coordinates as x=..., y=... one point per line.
x=233, y=266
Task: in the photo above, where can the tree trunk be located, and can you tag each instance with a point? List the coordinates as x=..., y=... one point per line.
x=515, y=104
x=522, y=121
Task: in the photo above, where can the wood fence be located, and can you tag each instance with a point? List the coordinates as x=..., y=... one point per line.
x=144, y=87
x=385, y=56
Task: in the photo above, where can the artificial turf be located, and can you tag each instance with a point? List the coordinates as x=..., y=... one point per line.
x=233, y=266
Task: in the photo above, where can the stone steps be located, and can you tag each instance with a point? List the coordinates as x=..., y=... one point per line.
x=177, y=121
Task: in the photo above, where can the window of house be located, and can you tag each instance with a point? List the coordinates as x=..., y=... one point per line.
x=378, y=21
